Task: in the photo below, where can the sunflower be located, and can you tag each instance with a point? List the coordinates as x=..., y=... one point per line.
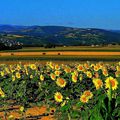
x=76, y=72
x=53, y=77
x=27, y=72
x=80, y=68
x=51, y=65
x=74, y=78
x=58, y=97
x=57, y=67
x=33, y=66
x=41, y=77
x=92, y=65
x=89, y=74
x=7, y=70
x=111, y=82
x=61, y=82
x=18, y=75
x=98, y=83
x=118, y=68
x=96, y=68
x=88, y=94
x=13, y=78
x=105, y=73
x=67, y=70
x=2, y=73
x=57, y=73
x=18, y=67
x=117, y=73
x=86, y=65
x=83, y=98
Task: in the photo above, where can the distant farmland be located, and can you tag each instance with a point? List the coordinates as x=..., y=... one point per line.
x=115, y=48
x=67, y=54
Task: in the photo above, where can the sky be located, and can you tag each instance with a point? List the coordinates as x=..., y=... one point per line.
x=74, y=13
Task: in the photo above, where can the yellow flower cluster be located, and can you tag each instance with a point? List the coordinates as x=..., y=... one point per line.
x=86, y=96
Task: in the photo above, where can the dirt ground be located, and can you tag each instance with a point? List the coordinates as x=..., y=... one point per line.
x=34, y=113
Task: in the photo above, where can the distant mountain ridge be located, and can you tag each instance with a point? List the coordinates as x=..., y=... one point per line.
x=59, y=35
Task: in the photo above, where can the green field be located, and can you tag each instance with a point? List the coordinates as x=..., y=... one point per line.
x=114, y=48
x=61, y=58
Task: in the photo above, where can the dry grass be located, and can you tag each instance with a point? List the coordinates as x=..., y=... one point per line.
x=58, y=53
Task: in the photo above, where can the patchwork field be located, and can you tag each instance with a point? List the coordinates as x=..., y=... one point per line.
x=62, y=54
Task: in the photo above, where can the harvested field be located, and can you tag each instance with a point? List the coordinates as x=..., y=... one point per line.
x=58, y=53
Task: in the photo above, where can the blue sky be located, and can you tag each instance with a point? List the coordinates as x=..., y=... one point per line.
x=75, y=13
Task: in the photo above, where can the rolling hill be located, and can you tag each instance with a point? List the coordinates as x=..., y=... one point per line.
x=59, y=35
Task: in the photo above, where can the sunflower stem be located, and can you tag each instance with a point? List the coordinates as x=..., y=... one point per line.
x=110, y=99
x=69, y=118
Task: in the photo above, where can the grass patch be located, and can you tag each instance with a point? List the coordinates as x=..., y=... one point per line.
x=74, y=48
x=60, y=58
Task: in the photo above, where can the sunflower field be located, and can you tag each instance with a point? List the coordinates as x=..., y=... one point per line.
x=86, y=91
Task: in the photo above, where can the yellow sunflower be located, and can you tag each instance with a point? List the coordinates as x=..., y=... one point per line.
x=18, y=75
x=98, y=83
x=57, y=67
x=58, y=97
x=13, y=78
x=83, y=98
x=76, y=72
x=2, y=73
x=67, y=70
x=18, y=67
x=41, y=77
x=89, y=74
x=80, y=68
x=96, y=68
x=33, y=66
x=7, y=70
x=111, y=82
x=118, y=68
x=117, y=73
x=105, y=72
x=57, y=72
x=53, y=77
x=74, y=78
x=61, y=82
x=86, y=65
x=88, y=94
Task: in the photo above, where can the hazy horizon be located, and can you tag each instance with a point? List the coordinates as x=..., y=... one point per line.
x=69, y=13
